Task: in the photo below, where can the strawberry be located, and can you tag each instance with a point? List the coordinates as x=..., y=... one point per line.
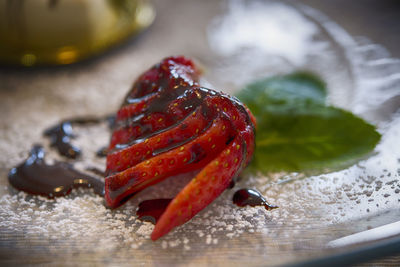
x=173, y=137
x=191, y=156
x=173, y=75
x=169, y=125
x=202, y=189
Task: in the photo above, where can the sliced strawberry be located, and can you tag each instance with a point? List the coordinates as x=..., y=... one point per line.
x=163, y=113
x=178, y=69
x=172, y=130
x=135, y=108
x=146, y=125
x=240, y=118
x=252, y=118
x=188, y=157
x=214, y=178
x=170, y=74
x=203, y=189
x=167, y=126
x=124, y=135
x=165, y=140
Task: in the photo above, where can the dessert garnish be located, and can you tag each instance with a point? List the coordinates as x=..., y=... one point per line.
x=169, y=125
x=297, y=129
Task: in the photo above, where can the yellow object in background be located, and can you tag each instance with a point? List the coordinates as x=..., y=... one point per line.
x=65, y=31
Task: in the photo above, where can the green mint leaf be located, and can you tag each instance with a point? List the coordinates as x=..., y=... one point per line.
x=297, y=132
x=284, y=92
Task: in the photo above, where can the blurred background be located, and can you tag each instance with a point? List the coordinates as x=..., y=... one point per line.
x=63, y=32
x=37, y=32
x=376, y=19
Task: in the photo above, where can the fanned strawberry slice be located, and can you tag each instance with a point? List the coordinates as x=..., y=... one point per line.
x=173, y=75
x=203, y=189
x=170, y=71
x=168, y=138
x=169, y=125
x=188, y=157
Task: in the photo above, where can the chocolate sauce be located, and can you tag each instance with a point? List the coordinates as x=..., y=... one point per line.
x=251, y=197
x=232, y=184
x=151, y=210
x=61, y=135
x=192, y=98
x=34, y=176
x=102, y=152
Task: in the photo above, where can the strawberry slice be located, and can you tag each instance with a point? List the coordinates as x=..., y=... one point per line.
x=166, y=139
x=155, y=124
x=171, y=70
x=135, y=108
x=191, y=156
x=169, y=125
x=218, y=174
x=174, y=75
x=202, y=189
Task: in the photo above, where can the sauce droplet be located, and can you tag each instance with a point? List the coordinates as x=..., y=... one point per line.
x=251, y=197
x=151, y=210
x=34, y=176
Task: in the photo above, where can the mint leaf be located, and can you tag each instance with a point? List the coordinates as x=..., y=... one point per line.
x=296, y=131
x=284, y=92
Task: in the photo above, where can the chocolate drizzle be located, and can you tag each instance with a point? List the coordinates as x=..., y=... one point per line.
x=60, y=137
x=62, y=134
x=36, y=177
x=190, y=98
x=251, y=197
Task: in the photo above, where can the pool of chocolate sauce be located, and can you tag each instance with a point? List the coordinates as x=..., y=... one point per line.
x=35, y=176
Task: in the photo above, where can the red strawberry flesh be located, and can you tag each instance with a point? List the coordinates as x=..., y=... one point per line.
x=191, y=156
x=168, y=138
x=202, y=190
